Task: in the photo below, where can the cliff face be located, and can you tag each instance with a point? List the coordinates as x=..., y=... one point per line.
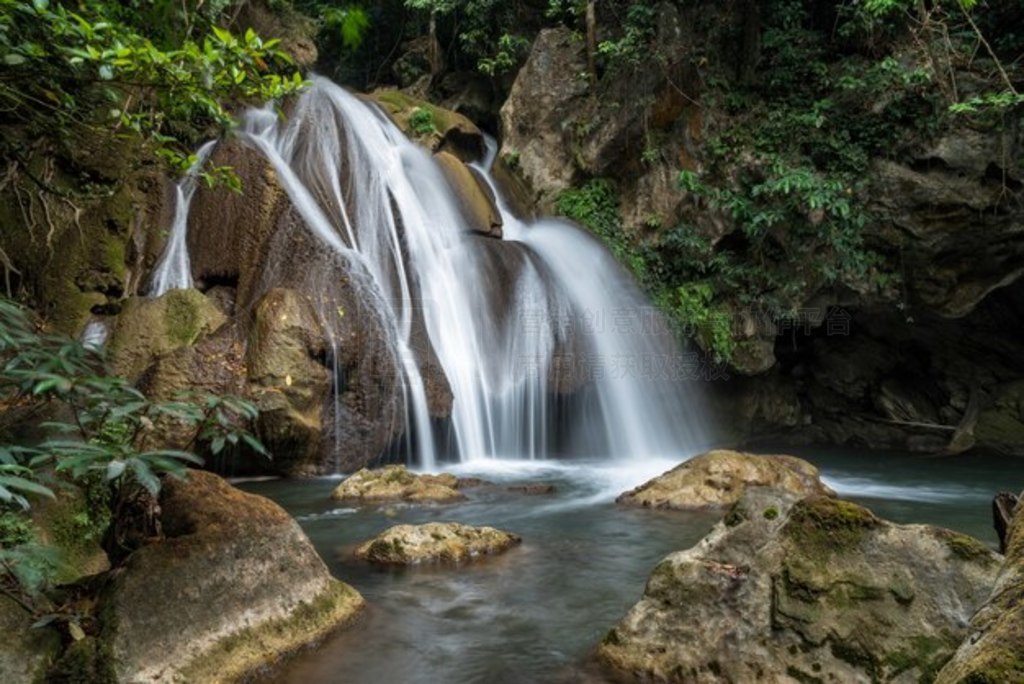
x=862, y=250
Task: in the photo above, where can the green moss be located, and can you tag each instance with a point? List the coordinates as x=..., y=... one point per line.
x=966, y=548
x=925, y=654
x=247, y=650
x=612, y=638
x=15, y=529
x=88, y=661
x=184, y=320
x=771, y=513
x=826, y=526
x=75, y=523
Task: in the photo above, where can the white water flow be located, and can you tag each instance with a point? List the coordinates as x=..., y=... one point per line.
x=547, y=345
x=174, y=271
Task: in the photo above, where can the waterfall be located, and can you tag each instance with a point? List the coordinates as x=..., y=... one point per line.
x=547, y=345
x=173, y=271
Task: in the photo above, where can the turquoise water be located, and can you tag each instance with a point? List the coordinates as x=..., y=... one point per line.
x=534, y=613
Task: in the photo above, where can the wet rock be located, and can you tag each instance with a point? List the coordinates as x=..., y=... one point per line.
x=149, y=328
x=994, y=648
x=444, y=542
x=25, y=653
x=719, y=478
x=396, y=483
x=441, y=131
x=289, y=386
x=474, y=197
x=533, y=489
x=813, y=589
x=239, y=585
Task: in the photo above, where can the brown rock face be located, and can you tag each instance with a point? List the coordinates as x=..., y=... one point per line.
x=816, y=589
x=240, y=585
x=719, y=478
x=444, y=542
x=534, y=115
x=475, y=199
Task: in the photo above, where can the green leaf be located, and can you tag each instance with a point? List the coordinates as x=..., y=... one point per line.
x=115, y=469
x=14, y=59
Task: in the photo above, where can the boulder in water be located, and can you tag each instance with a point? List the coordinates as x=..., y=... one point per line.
x=475, y=199
x=396, y=483
x=719, y=478
x=815, y=589
x=239, y=585
x=445, y=542
x=439, y=129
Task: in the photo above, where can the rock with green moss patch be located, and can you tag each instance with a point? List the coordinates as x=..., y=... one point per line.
x=719, y=478
x=994, y=648
x=233, y=586
x=149, y=328
x=437, y=542
x=396, y=483
x=811, y=589
x=439, y=129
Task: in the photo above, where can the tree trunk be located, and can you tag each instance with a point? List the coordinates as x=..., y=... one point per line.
x=434, y=53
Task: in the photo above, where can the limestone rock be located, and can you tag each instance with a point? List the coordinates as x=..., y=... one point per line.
x=474, y=197
x=149, y=328
x=994, y=648
x=816, y=589
x=445, y=542
x=449, y=131
x=239, y=586
x=25, y=653
x=396, y=483
x=533, y=116
x=719, y=478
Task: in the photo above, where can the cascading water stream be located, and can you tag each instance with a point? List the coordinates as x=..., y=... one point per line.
x=174, y=270
x=544, y=341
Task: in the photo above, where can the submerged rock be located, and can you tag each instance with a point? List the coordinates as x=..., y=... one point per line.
x=235, y=585
x=719, y=478
x=817, y=589
x=445, y=542
x=994, y=648
x=396, y=483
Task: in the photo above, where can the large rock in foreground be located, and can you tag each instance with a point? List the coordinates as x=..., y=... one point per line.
x=719, y=478
x=994, y=650
x=444, y=542
x=819, y=590
x=235, y=585
x=396, y=483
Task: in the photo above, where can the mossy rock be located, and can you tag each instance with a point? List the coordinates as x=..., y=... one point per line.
x=994, y=650
x=437, y=542
x=448, y=131
x=149, y=328
x=396, y=483
x=74, y=523
x=240, y=585
x=720, y=477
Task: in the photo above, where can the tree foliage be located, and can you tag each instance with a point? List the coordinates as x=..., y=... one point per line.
x=163, y=70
